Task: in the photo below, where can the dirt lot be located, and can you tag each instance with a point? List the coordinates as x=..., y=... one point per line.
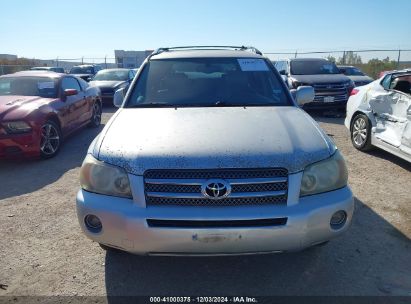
x=43, y=252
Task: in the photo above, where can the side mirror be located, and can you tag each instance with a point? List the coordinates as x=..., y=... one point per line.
x=304, y=94
x=70, y=92
x=88, y=79
x=282, y=72
x=119, y=97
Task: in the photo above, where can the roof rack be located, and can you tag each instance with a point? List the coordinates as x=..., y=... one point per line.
x=238, y=48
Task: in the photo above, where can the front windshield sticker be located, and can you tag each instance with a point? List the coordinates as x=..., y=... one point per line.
x=252, y=65
x=45, y=85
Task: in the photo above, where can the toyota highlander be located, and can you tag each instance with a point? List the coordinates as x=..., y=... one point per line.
x=210, y=154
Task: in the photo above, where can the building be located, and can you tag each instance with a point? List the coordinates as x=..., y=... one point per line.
x=130, y=59
x=8, y=57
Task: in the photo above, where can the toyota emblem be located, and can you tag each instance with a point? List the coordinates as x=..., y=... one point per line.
x=216, y=189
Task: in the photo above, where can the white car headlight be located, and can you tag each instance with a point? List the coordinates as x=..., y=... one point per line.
x=327, y=175
x=102, y=178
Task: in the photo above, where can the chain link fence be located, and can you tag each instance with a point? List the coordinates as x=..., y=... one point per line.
x=23, y=64
x=371, y=61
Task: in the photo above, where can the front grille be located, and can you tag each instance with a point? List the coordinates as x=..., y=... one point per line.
x=184, y=187
x=225, y=174
x=336, y=90
x=272, y=222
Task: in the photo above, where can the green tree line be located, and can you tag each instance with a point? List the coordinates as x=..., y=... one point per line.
x=372, y=68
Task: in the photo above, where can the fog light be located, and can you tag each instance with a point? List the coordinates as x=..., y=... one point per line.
x=338, y=219
x=93, y=223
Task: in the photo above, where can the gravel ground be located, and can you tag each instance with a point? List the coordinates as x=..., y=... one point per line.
x=43, y=252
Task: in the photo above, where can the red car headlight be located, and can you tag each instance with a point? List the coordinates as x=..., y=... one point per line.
x=17, y=127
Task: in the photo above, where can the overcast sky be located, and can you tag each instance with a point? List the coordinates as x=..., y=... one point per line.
x=94, y=28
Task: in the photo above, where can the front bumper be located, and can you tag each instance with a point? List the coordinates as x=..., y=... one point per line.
x=325, y=106
x=19, y=145
x=124, y=225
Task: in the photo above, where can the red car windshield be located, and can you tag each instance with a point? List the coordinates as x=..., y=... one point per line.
x=29, y=86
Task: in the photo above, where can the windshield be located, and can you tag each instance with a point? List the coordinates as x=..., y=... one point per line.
x=82, y=70
x=119, y=75
x=208, y=82
x=29, y=86
x=313, y=67
x=353, y=72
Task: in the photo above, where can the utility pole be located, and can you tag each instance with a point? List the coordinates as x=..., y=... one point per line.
x=82, y=60
x=399, y=58
x=57, y=61
x=105, y=61
x=296, y=52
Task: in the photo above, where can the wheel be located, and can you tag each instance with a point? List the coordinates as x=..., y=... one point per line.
x=96, y=116
x=51, y=139
x=361, y=133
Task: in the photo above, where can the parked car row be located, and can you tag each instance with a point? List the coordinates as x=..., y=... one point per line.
x=378, y=112
x=222, y=159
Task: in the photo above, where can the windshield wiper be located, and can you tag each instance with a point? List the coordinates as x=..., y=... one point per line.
x=153, y=105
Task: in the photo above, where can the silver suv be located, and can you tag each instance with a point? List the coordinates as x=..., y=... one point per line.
x=210, y=154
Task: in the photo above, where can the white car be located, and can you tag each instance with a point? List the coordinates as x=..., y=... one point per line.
x=379, y=114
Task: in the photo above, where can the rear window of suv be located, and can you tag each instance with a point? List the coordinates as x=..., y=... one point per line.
x=200, y=82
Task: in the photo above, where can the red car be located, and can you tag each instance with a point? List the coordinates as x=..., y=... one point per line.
x=39, y=109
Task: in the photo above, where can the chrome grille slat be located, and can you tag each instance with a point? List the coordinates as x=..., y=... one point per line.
x=231, y=181
x=248, y=187
x=227, y=202
x=338, y=91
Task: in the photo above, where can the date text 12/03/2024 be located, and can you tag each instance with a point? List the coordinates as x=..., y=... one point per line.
x=236, y=299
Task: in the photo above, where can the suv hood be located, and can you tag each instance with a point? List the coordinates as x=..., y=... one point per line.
x=318, y=79
x=209, y=138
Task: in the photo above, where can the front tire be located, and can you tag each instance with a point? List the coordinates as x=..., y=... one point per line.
x=50, y=140
x=361, y=133
x=95, y=120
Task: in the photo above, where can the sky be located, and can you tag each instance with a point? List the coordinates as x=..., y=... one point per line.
x=47, y=29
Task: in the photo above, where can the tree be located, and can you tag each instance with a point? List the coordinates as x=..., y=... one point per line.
x=350, y=58
x=375, y=66
x=331, y=58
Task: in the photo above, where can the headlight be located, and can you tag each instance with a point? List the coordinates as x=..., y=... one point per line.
x=98, y=177
x=324, y=176
x=17, y=127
